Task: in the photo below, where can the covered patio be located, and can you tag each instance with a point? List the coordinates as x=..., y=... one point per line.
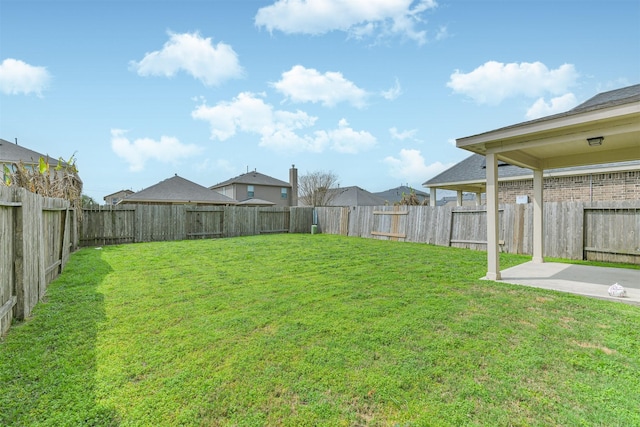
x=604, y=129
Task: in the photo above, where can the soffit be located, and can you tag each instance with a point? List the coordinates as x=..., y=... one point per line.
x=561, y=141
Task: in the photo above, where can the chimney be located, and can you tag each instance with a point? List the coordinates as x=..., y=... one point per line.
x=293, y=180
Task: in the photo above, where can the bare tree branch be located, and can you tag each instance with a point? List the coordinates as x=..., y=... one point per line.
x=315, y=188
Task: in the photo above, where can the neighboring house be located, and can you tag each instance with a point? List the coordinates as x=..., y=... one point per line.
x=12, y=153
x=608, y=181
x=257, y=189
x=394, y=195
x=177, y=191
x=594, y=173
x=115, y=198
x=354, y=196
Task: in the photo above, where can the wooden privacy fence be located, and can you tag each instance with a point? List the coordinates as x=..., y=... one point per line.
x=149, y=223
x=37, y=235
x=603, y=231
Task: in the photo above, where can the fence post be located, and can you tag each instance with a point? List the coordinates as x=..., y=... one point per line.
x=18, y=264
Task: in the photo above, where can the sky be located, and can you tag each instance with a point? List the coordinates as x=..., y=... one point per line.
x=374, y=91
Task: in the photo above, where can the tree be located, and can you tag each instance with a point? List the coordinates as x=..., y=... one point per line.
x=411, y=199
x=315, y=188
x=88, y=202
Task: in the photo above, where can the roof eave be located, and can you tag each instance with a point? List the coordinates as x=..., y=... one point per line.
x=475, y=143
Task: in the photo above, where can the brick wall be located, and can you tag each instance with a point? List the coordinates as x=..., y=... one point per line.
x=584, y=188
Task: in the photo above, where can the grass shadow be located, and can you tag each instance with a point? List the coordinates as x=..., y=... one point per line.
x=48, y=362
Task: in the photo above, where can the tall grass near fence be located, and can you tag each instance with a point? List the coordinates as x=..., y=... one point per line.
x=298, y=330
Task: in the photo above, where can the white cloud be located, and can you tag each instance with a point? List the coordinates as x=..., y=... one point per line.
x=493, y=82
x=359, y=18
x=247, y=112
x=557, y=105
x=346, y=140
x=411, y=166
x=139, y=151
x=278, y=129
x=401, y=136
x=193, y=54
x=19, y=77
x=302, y=84
x=394, y=92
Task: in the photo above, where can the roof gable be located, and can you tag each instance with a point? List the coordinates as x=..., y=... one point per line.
x=127, y=192
x=178, y=190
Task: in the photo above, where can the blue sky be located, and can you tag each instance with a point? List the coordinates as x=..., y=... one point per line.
x=375, y=91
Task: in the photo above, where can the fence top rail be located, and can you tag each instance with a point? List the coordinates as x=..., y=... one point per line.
x=10, y=204
x=390, y=212
x=611, y=208
x=473, y=210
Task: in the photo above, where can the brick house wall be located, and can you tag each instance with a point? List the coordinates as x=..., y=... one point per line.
x=583, y=188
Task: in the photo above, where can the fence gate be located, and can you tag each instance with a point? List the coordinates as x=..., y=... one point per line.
x=204, y=224
x=612, y=234
x=469, y=228
x=390, y=220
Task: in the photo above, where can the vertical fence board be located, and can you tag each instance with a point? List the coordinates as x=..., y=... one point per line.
x=8, y=298
x=300, y=219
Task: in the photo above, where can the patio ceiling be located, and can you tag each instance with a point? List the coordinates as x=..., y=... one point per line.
x=561, y=140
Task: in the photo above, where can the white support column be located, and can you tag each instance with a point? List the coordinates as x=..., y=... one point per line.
x=493, y=256
x=478, y=199
x=538, y=214
x=432, y=196
x=459, y=198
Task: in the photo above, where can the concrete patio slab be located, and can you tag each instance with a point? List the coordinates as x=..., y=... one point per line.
x=577, y=279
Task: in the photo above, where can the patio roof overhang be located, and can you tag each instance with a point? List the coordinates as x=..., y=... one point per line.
x=561, y=140
x=553, y=142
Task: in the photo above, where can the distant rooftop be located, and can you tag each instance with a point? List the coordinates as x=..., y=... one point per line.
x=354, y=196
x=13, y=153
x=394, y=195
x=178, y=190
x=473, y=169
x=253, y=178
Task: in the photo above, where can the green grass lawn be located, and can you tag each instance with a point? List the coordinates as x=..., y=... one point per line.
x=314, y=330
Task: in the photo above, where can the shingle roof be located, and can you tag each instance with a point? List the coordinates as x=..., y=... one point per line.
x=613, y=97
x=355, y=196
x=128, y=192
x=178, y=190
x=253, y=178
x=473, y=169
x=13, y=153
x=395, y=194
